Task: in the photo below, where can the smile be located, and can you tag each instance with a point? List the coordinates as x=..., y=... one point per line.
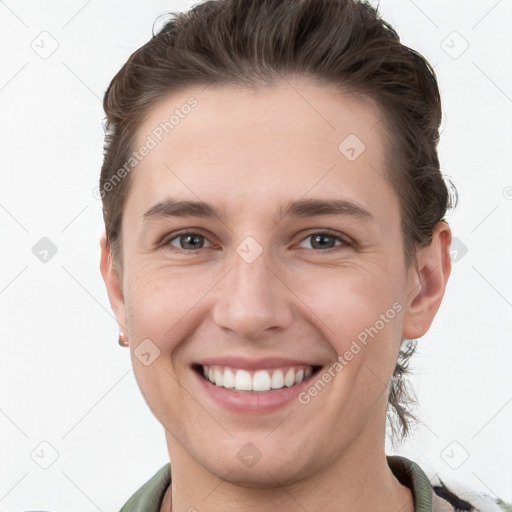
x=258, y=380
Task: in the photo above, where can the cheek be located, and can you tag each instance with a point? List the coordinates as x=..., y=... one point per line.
x=353, y=303
x=360, y=315
x=345, y=303
x=162, y=305
x=160, y=299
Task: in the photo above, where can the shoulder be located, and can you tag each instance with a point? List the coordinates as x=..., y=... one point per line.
x=462, y=498
x=435, y=495
x=148, y=498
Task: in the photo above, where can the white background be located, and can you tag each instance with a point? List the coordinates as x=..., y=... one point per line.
x=63, y=378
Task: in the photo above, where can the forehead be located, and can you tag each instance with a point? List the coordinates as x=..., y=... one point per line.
x=288, y=139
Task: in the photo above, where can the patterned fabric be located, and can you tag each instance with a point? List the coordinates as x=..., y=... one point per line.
x=427, y=498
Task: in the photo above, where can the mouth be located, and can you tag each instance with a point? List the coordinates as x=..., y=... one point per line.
x=255, y=381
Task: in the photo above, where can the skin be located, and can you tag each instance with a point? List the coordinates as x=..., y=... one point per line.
x=249, y=152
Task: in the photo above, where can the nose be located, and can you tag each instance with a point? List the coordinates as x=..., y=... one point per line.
x=253, y=300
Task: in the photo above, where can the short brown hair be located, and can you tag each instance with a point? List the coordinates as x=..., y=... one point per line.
x=335, y=43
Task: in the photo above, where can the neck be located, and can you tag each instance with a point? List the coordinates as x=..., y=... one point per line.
x=359, y=478
x=343, y=485
x=385, y=494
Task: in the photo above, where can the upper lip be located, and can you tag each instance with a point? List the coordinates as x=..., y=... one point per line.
x=264, y=363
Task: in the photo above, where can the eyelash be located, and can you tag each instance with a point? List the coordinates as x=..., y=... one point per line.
x=325, y=232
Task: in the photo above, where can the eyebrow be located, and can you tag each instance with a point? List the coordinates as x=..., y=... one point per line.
x=299, y=208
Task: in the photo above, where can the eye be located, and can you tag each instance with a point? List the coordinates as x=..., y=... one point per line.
x=325, y=240
x=187, y=241
x=191, y=241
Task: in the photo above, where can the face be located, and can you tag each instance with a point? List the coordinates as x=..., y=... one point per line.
x=288, y=279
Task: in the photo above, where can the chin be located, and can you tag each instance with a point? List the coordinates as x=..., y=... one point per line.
x=262, y=478
x=268, y=472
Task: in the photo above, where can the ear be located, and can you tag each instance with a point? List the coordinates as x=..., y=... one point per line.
x=427, y=283
x=113, y=282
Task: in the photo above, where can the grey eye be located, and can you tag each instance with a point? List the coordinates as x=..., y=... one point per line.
x=323, y=240
x=188, y=241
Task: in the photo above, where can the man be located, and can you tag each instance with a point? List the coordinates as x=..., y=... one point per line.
x=275, y=234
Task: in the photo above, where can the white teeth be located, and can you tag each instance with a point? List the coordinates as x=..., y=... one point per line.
x=277, y=380
x=289, y=378
x=260, y=380
x=243, y=380
x=219, y=377
x=229, y=378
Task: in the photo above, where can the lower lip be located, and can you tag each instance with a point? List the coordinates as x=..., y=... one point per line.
x=257, y=402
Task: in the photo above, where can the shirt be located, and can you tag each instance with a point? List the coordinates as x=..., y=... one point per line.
x=427, y=497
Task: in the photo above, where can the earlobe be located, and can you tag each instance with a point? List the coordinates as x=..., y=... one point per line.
x=428, y=283
x=113, y=283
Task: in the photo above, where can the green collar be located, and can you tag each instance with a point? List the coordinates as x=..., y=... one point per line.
x=408, y=473
x=150, y=496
